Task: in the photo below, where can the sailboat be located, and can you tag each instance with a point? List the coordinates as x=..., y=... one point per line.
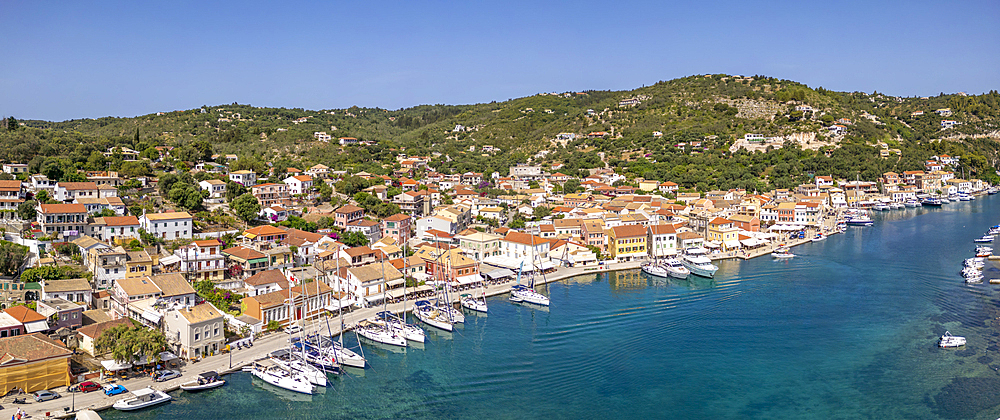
x=297, y=363
x=526, y=293
x=444, y=304
x=430, y=315
x=381, y=332
x=345, y=355
x=409, y=331
x=282, y=378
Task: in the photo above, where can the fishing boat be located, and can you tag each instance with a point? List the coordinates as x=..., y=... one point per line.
x=430, y=315
x=948, y=340
x=984, y=251
x=985, y=239
x=296, y=362
x=655, y=269
x=380, y=333
x=675, y=268
x=282, y=378
x=696, y=260
x=142, y=398
x=473, y=303
x=782, y=253
x=409, y=331
x=206, y=380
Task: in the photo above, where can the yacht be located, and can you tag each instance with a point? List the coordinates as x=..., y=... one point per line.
x=206, y=380
x=696, y=260
x=911, y=203
x=523, y=293
x=964, y=197
x=142, y=398
x=654, y=269
x=975, y=262
x=473, y=303
x=409, y=331
x=881, y=207
x=449, y=310
x=948, y=340
x=333, y=350
x=430, y=315
x=861, y=219
x=931, y=201
x=985, y=239
x=675, y=268
x=282, y=378
x=896, y=206
x=296, y=363
x=380, y=333
x=782, y=252
x=984, y=251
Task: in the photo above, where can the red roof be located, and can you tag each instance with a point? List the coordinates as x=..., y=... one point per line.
x=63, y=208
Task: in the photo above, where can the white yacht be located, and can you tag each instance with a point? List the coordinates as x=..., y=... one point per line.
x=473, y=303
x=675, y=268
x=430, y=315
x=911, y=203
x=882, y=207
x=696, y=260
x=782, y=253
x=296, y=363
x=380, y=333
x=206, y=380
x=654, y=269
x=449, y=310
x=948, y=340
x=282, y=378
x=985, y=239
x=333, y=349
x=142, y=398
x=523, y=293
x=896, y=205
x=409, y=331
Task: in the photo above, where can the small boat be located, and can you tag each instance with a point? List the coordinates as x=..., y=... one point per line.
x=782, y=252
x=654, y=269
x=818, y=237
x=473, y=303
x=522, y=293
x=696, y=260
x=206, y=380
x=977, y=262
x=675, y=269
x=142, y=398
x=380, y=333
x=430, y=315
x=984, y=251
x=881, y=207
x=282, y=378
x=409, y=331
x=948, y=340
x=985, y=239
x=896, y=206
x=931, y=201
x=911, y=203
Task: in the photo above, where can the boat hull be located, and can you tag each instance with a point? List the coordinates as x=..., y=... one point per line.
x=195, y=387
x=434, y=321
x=700, y=271
x=474, y=305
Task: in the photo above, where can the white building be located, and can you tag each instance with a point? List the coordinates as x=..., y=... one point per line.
x=662, y=241
x=215, y=187
x=244, y=178
x=172, y=225
x=300, y=184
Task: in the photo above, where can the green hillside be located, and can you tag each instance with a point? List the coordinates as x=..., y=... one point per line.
x=707, y=114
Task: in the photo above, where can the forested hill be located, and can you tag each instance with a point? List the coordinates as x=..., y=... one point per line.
x=691, y=130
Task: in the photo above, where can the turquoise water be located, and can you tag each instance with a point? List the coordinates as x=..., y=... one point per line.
x=845, y=330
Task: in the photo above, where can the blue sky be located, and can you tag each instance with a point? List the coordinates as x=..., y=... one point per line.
x=65, y=60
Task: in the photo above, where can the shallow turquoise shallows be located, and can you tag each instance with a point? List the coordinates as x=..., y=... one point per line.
x=845, y=330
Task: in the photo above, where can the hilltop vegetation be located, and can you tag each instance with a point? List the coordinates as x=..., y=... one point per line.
x=681, y=129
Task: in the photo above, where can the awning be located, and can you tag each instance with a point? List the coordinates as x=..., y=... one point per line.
x=395, y=283
x=336, y=305
x=257, y=261
x=752, y=242
x=475, y=278
x=151, y=316
x=114, y=366
x=711, y=244
x=36, y=326
x=166, y=356
x=170, y=259
x=421, y=289
x=732, y=243
x=546, y=265
x=498, y=273
x=375, y=298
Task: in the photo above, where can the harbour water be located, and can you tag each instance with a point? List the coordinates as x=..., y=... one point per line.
x=847, y=329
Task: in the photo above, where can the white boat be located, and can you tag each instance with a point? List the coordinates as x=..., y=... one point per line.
x=523, y=293
x=654, y=269
x=430, y=315
x=861, y=219
x=333, y=349
x=675, y=268
x=697, y=261
x=984, y=251
x=964, y=197
x=206, y=380
x=409, y=331
x=142, y=398
x=978, y=262
x=948, y=340
x=985, y=239
x=882, y=207
x=974, y=279
x=449, y=310
x=473, y=303
x=782, y=252
x=295, y=362
x=911, y=203
x=896, y=206
x=282, y=378
x=818, y=237
x=380, y=333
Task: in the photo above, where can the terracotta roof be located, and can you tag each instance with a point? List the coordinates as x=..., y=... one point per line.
x=662, y=229
x=358, y=250
x=720, y=221
x=24, y=314
x=32, y=347
x=303, y=178
x=523, y=238
x=348, y=209
x=207, y=242
x=268, y=277
x=95, y=330
x=688, y=235
x=63, y=208
x=121, y=221
x=243, y=253
x=265, y=230
x=74, y=186
x=629, y=231
x=270, y=300
x=10, y=185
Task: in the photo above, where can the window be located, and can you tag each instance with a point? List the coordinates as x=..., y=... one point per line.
x=196, y=336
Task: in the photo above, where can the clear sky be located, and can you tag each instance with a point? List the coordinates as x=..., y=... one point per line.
x=65, y=60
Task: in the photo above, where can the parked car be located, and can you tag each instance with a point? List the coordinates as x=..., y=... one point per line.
x=293, y=329
x=89, y=386
x=166, y=375
x=45, y=395
x=115, y=389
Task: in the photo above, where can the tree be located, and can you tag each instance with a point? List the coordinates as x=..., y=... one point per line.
x=12, y=124
x=325, y=191
x=6, y=177
x=26, y=210
x=571, y=186
x=354, y=238
x=129, y=343
x=12, y=257
x=234, y=190
x=542, y=211
x=246, y=207
x=43, y=197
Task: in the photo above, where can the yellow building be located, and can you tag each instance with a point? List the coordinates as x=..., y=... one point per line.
x=33, y=362
x=138, y=264
x=648, y=185
x=724, y=231
x=627, y=242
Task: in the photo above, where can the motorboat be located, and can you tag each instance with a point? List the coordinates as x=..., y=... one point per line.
x=964, y=197
x=142, y=398
x=282, y=378
x=882, y=207
x=974, y=279
x=205, y=380
x=948, y=340
x=818, y=237
x=522, y=293
x=696, y=260
x=896, y=206
x=911, y=203
x=977, y=262
x=473, y=303
x=944, y=200
x=676, y=269
x=860, y=220
x=985, y=239
x=295, y=362
x=380, y=333
x=654, y=269
x=984, y=251
x=782, y=253
x=430, y=315
x=931, y=201
x=409, y=331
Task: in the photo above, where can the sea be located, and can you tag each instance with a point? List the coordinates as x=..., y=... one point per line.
x=845, y=330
